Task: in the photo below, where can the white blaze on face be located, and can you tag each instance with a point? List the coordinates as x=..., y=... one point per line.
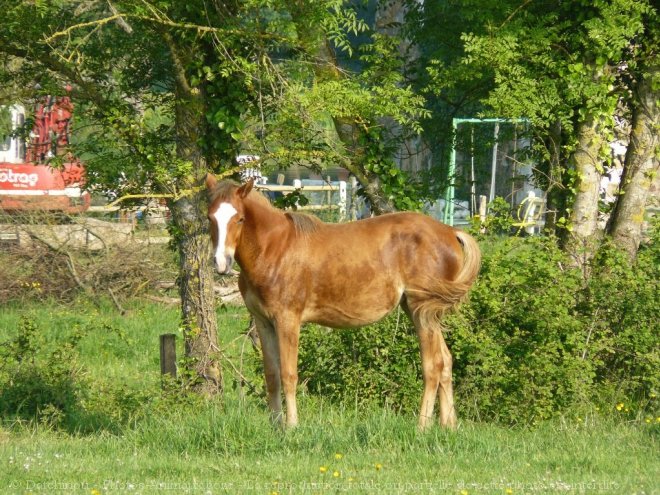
x=222, y=216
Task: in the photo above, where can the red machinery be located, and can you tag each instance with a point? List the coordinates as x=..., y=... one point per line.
x=27, y=182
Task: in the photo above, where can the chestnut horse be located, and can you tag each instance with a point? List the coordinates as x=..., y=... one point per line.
x=297, y=269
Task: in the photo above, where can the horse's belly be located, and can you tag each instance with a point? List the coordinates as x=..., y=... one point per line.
x=351, y=310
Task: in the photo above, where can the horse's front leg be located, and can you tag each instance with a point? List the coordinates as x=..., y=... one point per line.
x=271, y=356
x=288, y=331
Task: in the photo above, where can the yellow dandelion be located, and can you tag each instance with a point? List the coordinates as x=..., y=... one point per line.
x=351, y=480
x=339, y=456
x=648, y=421
x=95, y=492
x=274, y=493
x=619, y=406
x=657, y=420
x=336, y=474
x=378, y=466
x=323, y=469
x=508, y=491
x=464, y=492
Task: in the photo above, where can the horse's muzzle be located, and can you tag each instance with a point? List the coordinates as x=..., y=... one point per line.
x=223, y=264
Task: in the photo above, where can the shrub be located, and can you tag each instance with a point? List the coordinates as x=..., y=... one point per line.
x=623, y=304
x=44, y=382
x=376, y=363
x=37, y=383
x=518, y=343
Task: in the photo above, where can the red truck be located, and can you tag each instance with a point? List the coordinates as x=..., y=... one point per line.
x=27, y=181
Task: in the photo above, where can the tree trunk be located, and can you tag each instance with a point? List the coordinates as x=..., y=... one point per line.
x=583, y=233
x=195, y=278
x=640, y=168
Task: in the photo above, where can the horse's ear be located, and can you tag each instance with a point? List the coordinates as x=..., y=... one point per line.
x=245, y=189
x=211, y=182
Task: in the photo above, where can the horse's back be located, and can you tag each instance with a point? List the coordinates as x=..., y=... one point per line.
x=355, y=273
x=406, y=240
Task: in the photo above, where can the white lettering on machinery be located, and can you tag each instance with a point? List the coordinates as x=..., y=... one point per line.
x=8, y=175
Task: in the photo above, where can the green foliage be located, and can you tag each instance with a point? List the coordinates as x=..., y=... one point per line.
x=557, y=64
x=406, y=192
x=517, y=343
x=534, y=341
x=44, y=381
x=498, y=220
x=360, y=366
x=37, y=381
x=626, y=297
x=292, y=200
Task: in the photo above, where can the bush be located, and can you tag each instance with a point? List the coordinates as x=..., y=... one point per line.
x=376, y=363
x=535, y=340
x=44, y=382
x=37, y=383
x=623, y=307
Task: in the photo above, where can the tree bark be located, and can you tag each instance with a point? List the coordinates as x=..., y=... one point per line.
x=195, y=278
x=640, y=167
x=583, y=233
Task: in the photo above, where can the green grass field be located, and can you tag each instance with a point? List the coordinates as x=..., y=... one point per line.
x=162, y=444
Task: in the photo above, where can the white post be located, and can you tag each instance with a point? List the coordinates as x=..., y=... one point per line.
x=297, y=184
x=353, y=198
x=342, y=200
x=483, y=204
x=493, y=168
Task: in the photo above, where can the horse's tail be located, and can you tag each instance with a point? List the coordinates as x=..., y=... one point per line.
x=471, y=263
x=441, y=296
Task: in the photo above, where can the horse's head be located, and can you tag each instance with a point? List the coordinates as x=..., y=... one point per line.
x=226, y=214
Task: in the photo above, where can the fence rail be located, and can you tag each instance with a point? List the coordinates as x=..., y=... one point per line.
x=339, y=187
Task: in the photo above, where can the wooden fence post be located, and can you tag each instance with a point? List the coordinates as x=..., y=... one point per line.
x=168, y=354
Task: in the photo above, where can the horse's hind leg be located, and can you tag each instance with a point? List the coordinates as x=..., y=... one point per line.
x=446, y=390
x=436, y=369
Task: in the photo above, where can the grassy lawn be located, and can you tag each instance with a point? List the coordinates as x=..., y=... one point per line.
x=192, y=446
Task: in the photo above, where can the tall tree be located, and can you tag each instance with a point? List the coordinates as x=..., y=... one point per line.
x=642, y=161
x=129, y=63
x=557, y=64
x=362, y=87
x=172, y=90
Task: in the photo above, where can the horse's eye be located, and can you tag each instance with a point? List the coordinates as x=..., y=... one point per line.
x=241, y=220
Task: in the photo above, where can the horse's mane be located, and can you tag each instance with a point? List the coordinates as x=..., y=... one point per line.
x=303, y=223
